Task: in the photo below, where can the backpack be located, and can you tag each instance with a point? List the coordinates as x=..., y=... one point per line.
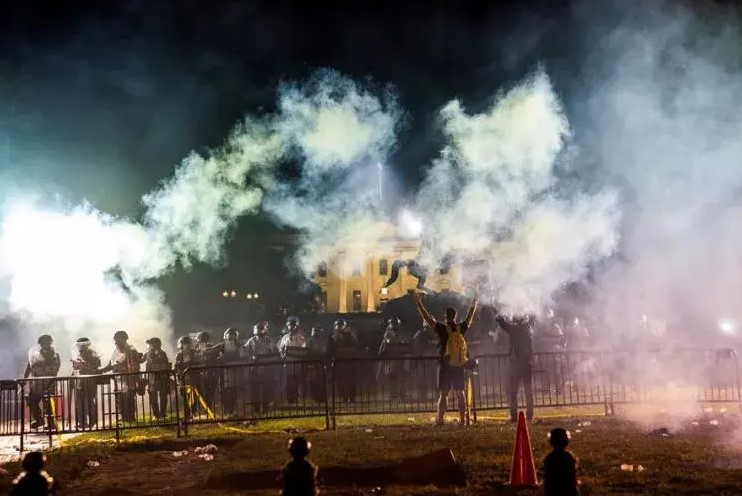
x=455, y=347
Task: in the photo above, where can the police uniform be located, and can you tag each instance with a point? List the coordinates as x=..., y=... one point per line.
x=207, y=379
x=42, y=362
x=394, y=371
x=290, y=347
x=86, y=362
x=229, y=352
x=318, y=348
x=157, y=364
x=263, y=378
x=124, y=360
x=185, y=358
x=344, y=346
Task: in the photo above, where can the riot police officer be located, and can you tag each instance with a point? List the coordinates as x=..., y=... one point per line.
x=318, y=346
x=263, y=374
x=85, y=362
x=393, y=348
x=229, y=353
x=344, y=347
x=184, y=359
x=157, y=365
x=292, y=348
x=43, y=361
x=124, y=361
x=206, y=356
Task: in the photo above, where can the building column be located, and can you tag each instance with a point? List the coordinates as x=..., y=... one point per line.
x=371, y=294
x=343, y=280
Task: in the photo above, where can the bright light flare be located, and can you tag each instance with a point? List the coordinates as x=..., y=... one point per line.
x=57, y=263
x=727, y=326
x=410, y=223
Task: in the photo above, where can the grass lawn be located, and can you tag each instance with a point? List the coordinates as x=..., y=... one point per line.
x=696, y=459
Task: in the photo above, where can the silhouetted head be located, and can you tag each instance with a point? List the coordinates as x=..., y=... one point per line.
x=154, y=343
x=450, y=314
x=34, y=461
x=299, y=447
x=559, y=438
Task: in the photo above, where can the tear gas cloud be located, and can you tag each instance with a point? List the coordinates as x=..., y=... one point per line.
x=493, y=195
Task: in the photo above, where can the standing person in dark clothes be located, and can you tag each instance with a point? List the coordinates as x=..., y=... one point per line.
x=299, y=475
x=157, y=364
x=560, y=466
x=85, y=362
x=34, y=481
x=520, y=331
x=344, y=345
x=450, y=369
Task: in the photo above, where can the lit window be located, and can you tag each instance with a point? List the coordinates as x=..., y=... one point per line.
x=357, y=269
x=357, y=303
x=383, y=267
x=322, y=270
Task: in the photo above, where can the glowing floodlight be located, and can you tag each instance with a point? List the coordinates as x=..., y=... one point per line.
x=255, y=296
x=249, y=296
x=411, y=223
x=233, y=293
x=225, y=294
x=727, y=326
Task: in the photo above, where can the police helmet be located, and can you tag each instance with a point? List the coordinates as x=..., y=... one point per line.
x=260, y=328
x=559, y=437
x=82, y=343
x=393, y=322
x=203, y=337
x=299, y=447
x=231, y=333
x=156, y=342
x=184, y=341
x=120, y=335
x=45, y=339
x=292, y=321
x=34, y=461
x=340, y=324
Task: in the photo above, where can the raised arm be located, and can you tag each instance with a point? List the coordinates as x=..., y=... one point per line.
x=471, y=313
x=423, y=311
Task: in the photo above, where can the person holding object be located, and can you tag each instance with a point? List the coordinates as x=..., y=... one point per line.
x=452, y=352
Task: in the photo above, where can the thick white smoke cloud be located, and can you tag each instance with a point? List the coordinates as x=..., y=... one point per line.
x=55, y=272
x=338, y=132
x=666, y=126
x=493, y=195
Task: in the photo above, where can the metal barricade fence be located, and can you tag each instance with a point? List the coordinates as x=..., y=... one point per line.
x=255, y=391
x=109, y=402
x=311, y=388
x=384, y=385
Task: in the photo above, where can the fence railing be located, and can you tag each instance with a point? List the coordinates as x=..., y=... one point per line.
x=314, y=388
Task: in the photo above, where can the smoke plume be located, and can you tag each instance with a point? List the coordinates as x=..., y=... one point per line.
x=493, y=195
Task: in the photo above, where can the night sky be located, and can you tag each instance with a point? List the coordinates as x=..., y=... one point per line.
x=100, y=103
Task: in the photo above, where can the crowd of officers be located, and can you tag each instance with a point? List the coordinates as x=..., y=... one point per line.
x=293, y=345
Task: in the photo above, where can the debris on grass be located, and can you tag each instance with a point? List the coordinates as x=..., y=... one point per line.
x=695, y=422
x=93, y=463
x=713, y=422
x=722, y=410
x=378, y=490
x=627, y=468
x=639, y=468
x=410, y=419
x=206, y=457
x=209, y=448
x=708, y=409
x=369, y=431
x=662, y=431
x=585, y=423
x=178, y=454
x=578, y=431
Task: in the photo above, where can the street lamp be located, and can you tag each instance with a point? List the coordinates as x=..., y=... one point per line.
x=233, y=293
x=255, y=296
x=225, y=294
x=249, y=296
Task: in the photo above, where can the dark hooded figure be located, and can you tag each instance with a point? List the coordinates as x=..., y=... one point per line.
x=520, y=332
x=34, y=481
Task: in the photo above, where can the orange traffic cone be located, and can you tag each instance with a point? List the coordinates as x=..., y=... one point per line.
x=523, y=472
